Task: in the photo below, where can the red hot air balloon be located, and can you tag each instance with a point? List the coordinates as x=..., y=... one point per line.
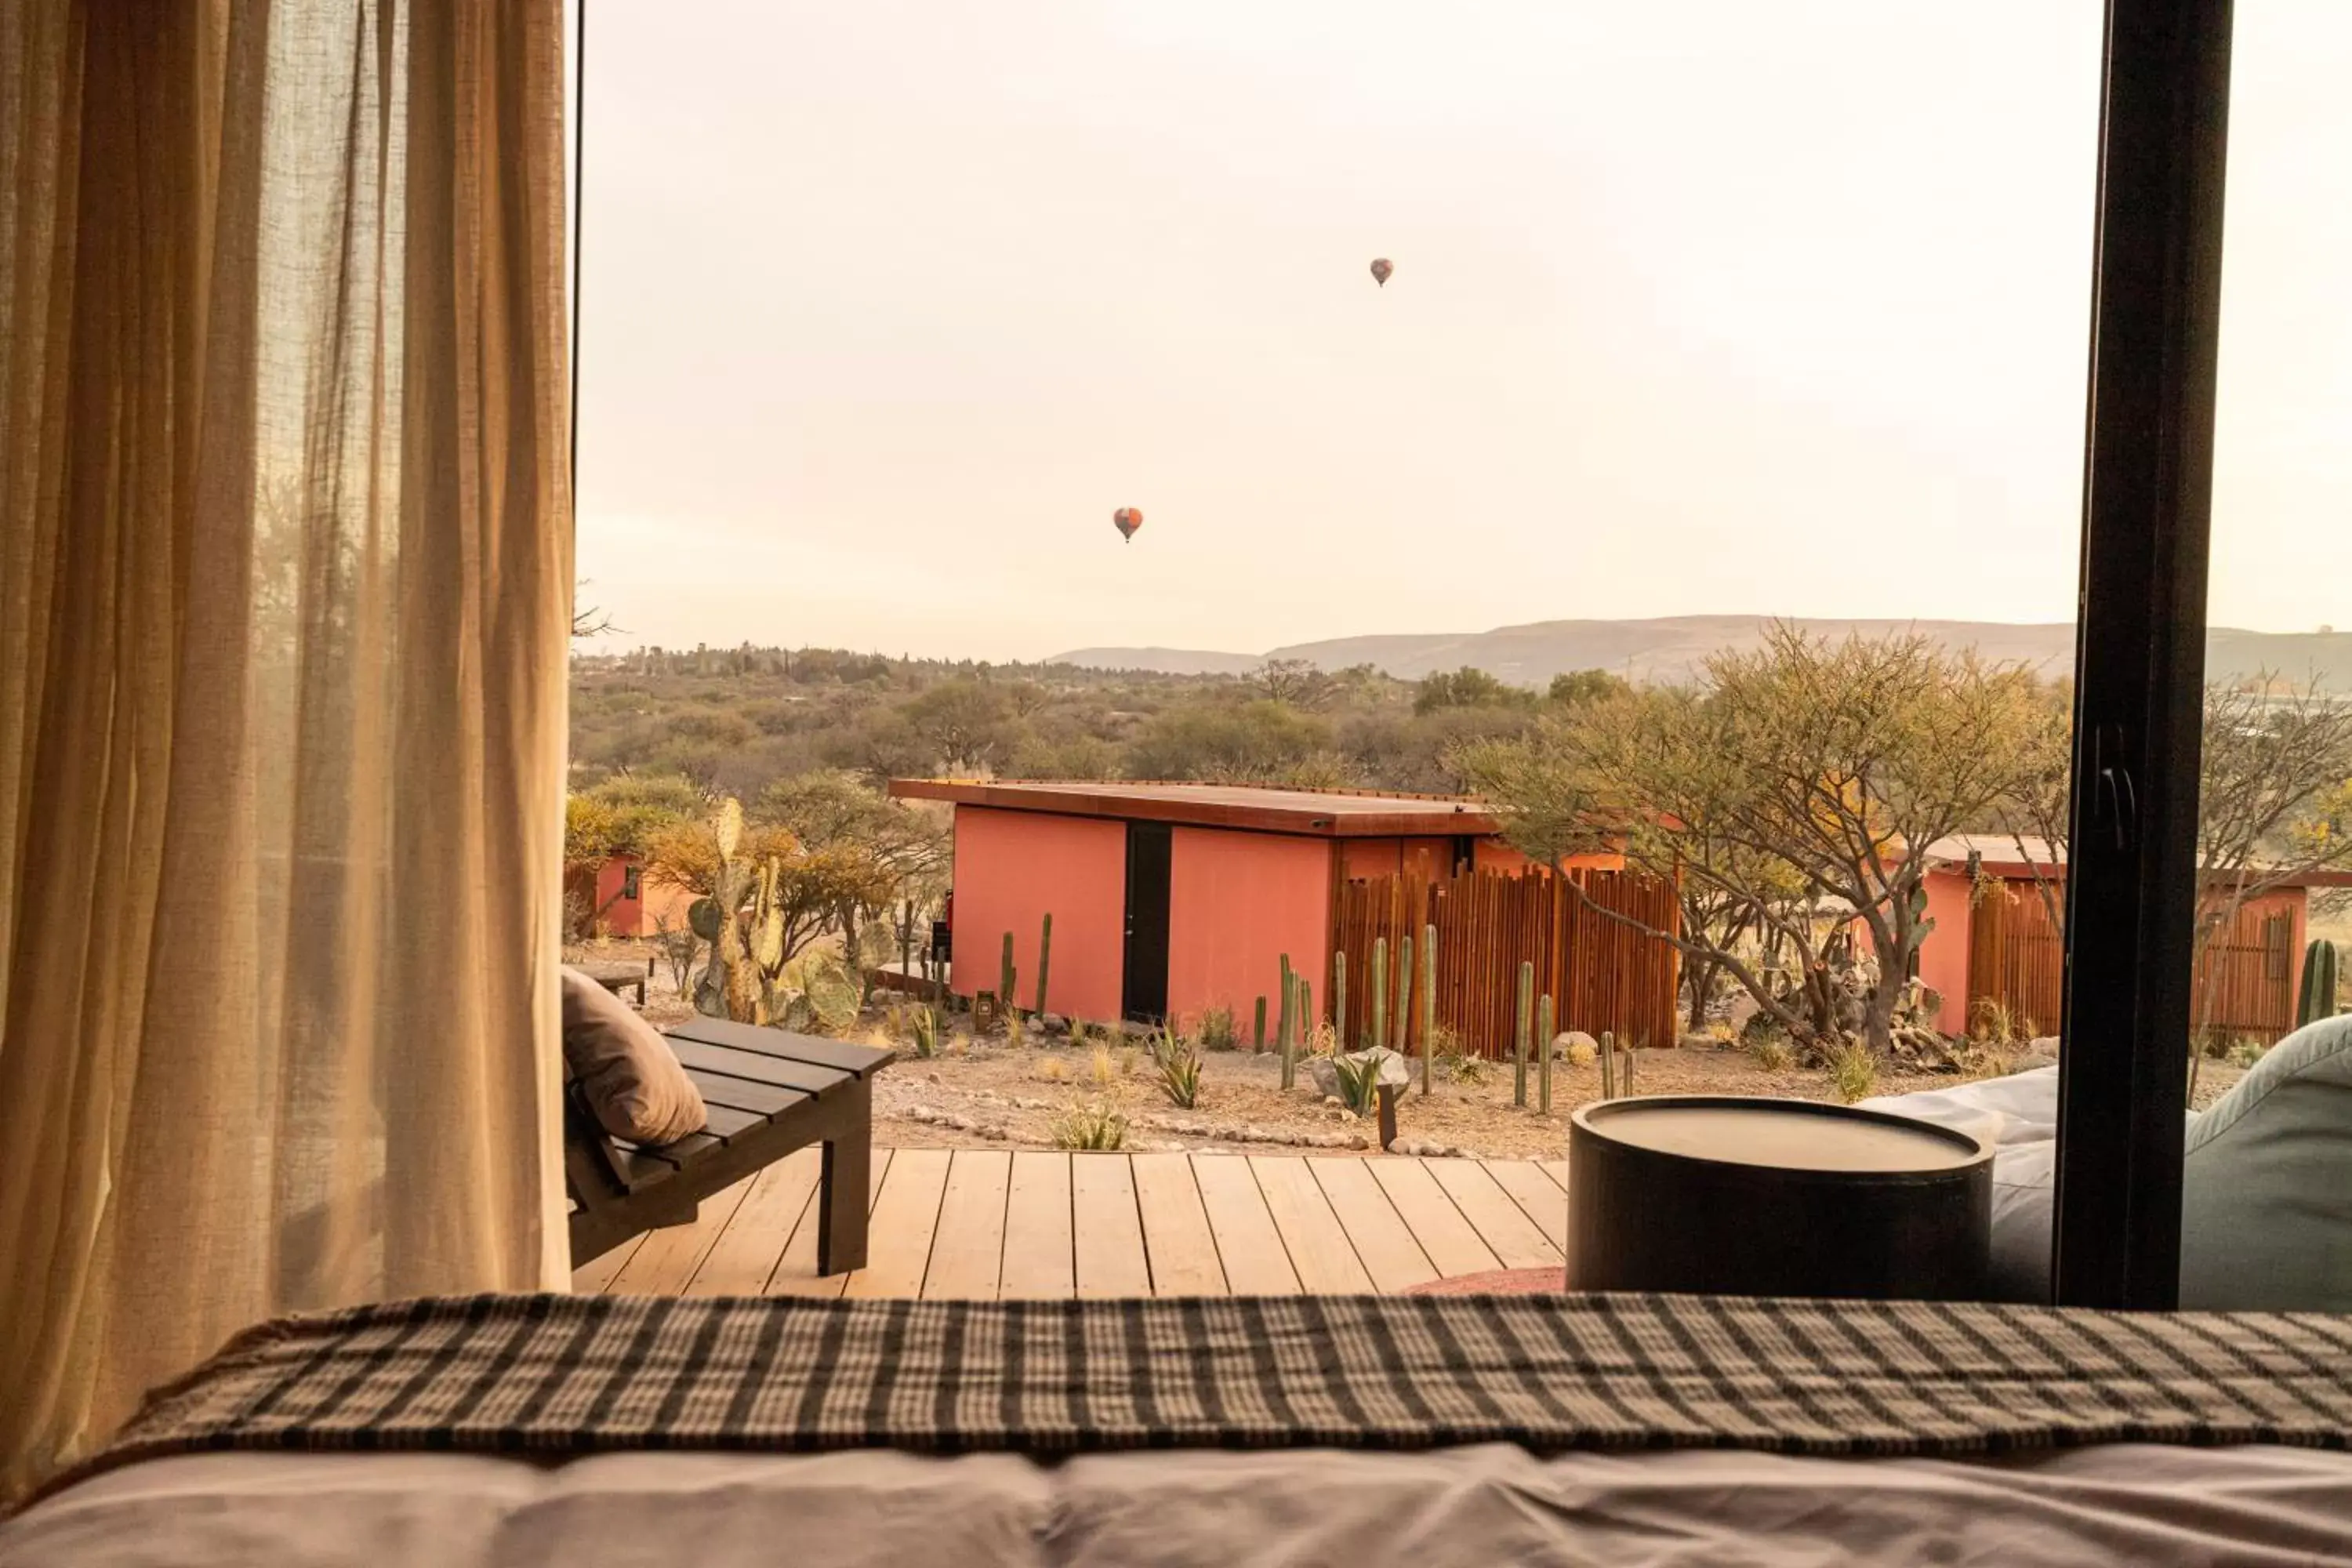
x=1381, y=270
x=1126, y=520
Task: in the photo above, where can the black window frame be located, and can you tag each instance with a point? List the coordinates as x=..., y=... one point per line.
x=2139, y=670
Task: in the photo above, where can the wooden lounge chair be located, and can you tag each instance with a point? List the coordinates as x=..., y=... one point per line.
x=769, y=1093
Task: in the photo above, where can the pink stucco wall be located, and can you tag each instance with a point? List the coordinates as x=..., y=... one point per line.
x=1943, y=955
x=1011, y=869
x=1236, y=903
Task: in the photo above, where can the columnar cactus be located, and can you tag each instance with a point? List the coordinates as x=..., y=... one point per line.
x=1258, y=1032
x=1544, y=1033
x=1404, y=997
x=1282, y=1026
x=1379, y=992
x=1525, y=1021
x=1428, y=1002
x=1045, y=956
x=2317, y=999
x=1340, y=998
x=1005, y=976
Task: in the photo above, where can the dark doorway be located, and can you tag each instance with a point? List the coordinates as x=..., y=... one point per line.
x=1144, y=991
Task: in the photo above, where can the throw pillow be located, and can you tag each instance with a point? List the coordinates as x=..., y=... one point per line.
x=626, y=1070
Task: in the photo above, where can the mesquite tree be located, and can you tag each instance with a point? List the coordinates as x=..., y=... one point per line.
x=1790, y=792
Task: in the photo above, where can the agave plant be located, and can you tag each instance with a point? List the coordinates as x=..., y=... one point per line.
x=1094, y=1126
x=1176, y=1064
x=1359, y=1082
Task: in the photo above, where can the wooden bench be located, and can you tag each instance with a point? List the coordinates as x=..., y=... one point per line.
x=619, y=977
x=768, y=1093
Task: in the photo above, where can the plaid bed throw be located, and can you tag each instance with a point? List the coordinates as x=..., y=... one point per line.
x=576, y=1374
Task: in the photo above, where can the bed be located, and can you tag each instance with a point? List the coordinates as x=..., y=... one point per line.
x=1626, y=1430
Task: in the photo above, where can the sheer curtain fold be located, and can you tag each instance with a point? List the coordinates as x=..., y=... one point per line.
x=285, y=569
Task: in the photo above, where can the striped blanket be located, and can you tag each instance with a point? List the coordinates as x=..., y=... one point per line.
x=559, y=1375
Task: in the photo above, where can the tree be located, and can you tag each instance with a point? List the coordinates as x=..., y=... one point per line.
x=1575, y=687
x=1468, y=687
x=1261, y=742
x=1296, y=682
x=811, y=885
x=879, y=850
x=966, y=722
x=2273, y=799
x=1795, y=791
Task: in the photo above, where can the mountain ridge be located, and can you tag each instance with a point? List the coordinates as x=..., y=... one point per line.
x=1675, y=648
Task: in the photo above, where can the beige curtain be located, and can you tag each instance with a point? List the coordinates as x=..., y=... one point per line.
x=285, y=568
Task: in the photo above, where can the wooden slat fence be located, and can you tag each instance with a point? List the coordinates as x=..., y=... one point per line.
x=1601, y=974
x=2247, y=973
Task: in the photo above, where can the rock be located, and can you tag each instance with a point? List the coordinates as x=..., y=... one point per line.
x=1050, y=1023
x=1575, y=1045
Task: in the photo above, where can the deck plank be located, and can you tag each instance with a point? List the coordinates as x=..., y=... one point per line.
x=1384, y=1242
x=1500, y=1223
x=1556, y=1170
x=904, y=1219
x=1451, y=1241
x=1319, y=1249
x=968, y=1254
x=1176, y=1237
x=1038, y=1257
x=591, y=1278
x=1249, y=1248
x=753, y=1242
x=671, y=1255
x=1106, y=1228
x=797, y=1272
x=1539, y=1197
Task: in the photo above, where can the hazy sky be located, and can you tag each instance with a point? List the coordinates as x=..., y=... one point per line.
x=1698, y=307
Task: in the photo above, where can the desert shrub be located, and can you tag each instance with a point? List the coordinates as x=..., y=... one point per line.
x=1176, y=1068
x=1990, y=1020
x=1096, y=1125
x=1854, y=1071
x=1053, y=1069
x=1103, y=1068
x=1217, y=1029
x=2245, y=1052
x=1770, y=1050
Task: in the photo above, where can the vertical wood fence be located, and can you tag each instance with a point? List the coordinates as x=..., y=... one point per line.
x=1600, y=973
x=2247, y=973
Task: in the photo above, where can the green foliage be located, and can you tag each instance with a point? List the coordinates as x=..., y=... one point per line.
x=2315, y=997
x=1359, y=1082
x=1224, y=742
x=1575, y=687
x=1468, y=687
x=1217, y=1029
x=1094, y=1126
x=1176, y=1067
x=1854, y=1071
x=1771, y=1050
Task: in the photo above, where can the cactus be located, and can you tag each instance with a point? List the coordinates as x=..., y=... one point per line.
x=1379, y=992
x=1523, y=1021
x=1339, y=999
x=2317, y=997
x=1607, y=1065
x=1005, y=976
x=1282, y=1023
x=1305, y=1010
x=1543, y=1044
x=1404, y=997
x=1257, y=1035
x=1289, y=1025
x=1428, y=1001
x=1045, y=956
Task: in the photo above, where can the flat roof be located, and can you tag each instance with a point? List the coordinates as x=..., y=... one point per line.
x=1325, y=814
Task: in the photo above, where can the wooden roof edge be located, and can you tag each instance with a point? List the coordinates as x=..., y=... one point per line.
x=1069, y=798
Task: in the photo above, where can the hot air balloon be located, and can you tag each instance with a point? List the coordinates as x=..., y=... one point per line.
x=1381, y=270
x=1126, y=520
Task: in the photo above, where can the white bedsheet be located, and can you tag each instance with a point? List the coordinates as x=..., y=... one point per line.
x=2246, y=1507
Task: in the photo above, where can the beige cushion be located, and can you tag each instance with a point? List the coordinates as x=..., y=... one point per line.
x=630, y=1075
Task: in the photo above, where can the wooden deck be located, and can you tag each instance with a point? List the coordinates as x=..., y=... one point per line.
x=987, y=1223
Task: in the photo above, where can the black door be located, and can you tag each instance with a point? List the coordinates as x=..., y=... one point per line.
x=1145, y=989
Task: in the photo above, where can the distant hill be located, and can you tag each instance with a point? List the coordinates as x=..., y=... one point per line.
x=1161, y=660
x=1674, y=649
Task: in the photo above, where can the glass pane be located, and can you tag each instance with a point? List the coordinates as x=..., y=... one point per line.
x=2268, y=1209
x=1009, y=475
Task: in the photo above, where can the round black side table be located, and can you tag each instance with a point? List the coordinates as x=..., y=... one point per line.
x=1731, y=1195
